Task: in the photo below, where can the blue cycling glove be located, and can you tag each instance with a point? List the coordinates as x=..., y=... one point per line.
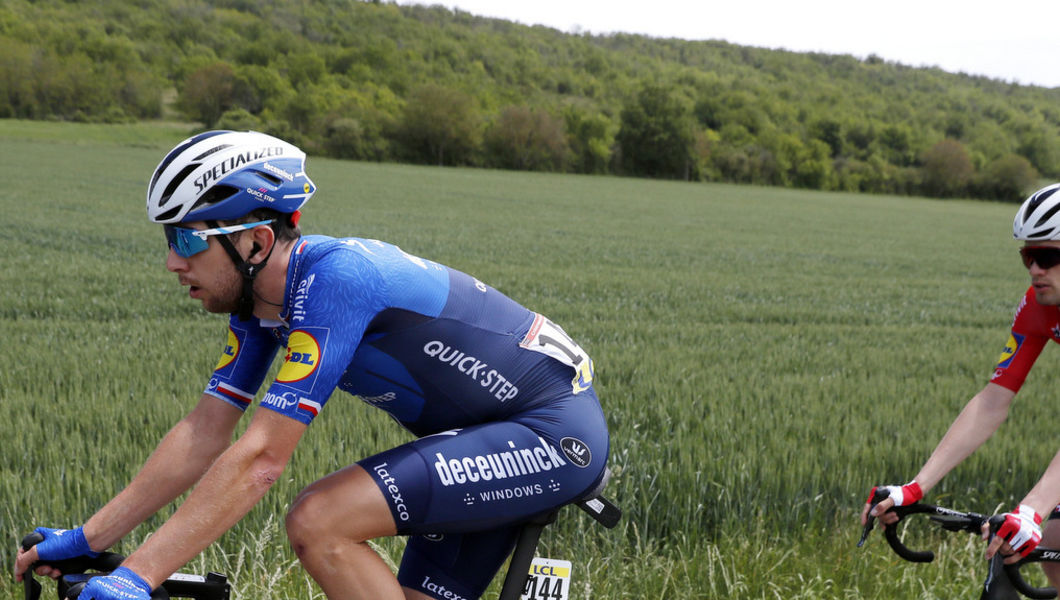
x=60, y=544
x=121, y=584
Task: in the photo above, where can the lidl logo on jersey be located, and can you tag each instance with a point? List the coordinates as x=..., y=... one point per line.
x=1015, y=341
x=305, y=349
x=230, y=352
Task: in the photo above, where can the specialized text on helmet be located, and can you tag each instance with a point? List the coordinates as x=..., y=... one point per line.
x=203, y=182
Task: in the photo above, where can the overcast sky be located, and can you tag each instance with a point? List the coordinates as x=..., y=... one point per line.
x=1011, y=40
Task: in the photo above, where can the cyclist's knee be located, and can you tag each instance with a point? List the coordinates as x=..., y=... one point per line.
x=304, y=521
x=344, y=507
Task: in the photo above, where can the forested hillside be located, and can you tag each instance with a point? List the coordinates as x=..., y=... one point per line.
x=377, y=81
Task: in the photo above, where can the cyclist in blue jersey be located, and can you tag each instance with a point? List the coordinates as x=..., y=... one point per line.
x=499, y=398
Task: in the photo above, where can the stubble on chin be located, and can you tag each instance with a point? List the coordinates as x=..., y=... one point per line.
x=226, y=302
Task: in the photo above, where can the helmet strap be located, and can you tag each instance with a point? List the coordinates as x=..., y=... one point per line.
x=248, y=270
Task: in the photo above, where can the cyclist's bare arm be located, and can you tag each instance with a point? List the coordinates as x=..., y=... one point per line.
x=981, y=417
x=180, y=460
x=230, y=488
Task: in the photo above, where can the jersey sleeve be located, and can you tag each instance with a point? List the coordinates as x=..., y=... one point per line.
x=245, y=360
x=1030, y=333
x=334, y=302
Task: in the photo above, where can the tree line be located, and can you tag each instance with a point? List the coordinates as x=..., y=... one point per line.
x=378, y=81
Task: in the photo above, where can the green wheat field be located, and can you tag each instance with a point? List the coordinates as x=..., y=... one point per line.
x=764, y=356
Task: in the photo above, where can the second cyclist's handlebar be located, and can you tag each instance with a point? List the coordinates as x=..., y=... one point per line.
x=969, y=522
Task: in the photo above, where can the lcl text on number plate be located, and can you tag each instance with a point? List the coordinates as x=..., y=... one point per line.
x=549, y=580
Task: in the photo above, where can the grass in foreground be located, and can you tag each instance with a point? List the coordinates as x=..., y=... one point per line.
x=764, y=356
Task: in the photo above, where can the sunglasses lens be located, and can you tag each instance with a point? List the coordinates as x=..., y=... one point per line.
x=184, y=241
x=1044, y=257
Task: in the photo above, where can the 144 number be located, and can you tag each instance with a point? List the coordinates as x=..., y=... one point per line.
x=544, y=588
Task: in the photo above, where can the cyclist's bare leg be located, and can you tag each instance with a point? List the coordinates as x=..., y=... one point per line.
x=1051, y=539
x=329, y=525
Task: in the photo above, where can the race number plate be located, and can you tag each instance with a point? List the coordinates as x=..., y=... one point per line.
x=549, y=580
x=548, y=338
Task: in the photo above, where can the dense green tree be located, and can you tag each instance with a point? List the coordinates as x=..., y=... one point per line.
x=1009, y=179
x=947, y=169
x=439, y=126
x=526, y=139
x=347, y=78
x=657, y=134
x=17, y=97
x=590, y=137
x=813, y=167
x=208, y=92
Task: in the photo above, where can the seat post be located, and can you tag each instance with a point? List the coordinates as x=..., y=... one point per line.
x=523, y=555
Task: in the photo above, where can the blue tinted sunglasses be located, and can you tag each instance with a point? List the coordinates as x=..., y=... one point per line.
x=189, y=242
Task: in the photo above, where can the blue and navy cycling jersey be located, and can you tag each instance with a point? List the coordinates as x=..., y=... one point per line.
x=432, y=346
x=500, y=398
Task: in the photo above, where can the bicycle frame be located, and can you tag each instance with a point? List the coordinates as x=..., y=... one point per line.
x=602, y=510
x=1002, y=582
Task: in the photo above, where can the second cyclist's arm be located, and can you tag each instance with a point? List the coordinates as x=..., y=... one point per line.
x=981, y=417
x=180, y=460
x=1046, y=493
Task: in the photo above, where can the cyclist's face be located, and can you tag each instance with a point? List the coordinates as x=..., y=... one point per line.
x=1046, y=282
x=210, y=276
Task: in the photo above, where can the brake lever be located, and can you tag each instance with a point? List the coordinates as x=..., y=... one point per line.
x=105, y=561
x=870, y=522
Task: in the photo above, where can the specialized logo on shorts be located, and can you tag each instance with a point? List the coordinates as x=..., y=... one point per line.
x=230, y=352
x=576, y=450
x=1015, y=341
x=302, y=358
x=499, y=465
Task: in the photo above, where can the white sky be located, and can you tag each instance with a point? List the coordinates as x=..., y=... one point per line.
x=1011, y=40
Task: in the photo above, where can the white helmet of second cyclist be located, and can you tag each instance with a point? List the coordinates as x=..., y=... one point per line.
x=1039, y=217
x=224, y=175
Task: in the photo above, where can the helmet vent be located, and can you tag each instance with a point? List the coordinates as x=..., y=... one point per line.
x=212, y=151
x=175, y=152
x=168, y=215
x=1048, y=214
x=214, y=195
x=175, y=182
x=274, y=180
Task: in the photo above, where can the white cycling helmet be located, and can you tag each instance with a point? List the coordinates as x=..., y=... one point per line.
x=1039, y=217
x=222, y=175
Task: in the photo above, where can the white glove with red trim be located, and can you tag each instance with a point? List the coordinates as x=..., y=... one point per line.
x=902, y=495
x=1022, y=529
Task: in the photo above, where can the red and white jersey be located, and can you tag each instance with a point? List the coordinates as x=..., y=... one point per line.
x=1033, y=326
